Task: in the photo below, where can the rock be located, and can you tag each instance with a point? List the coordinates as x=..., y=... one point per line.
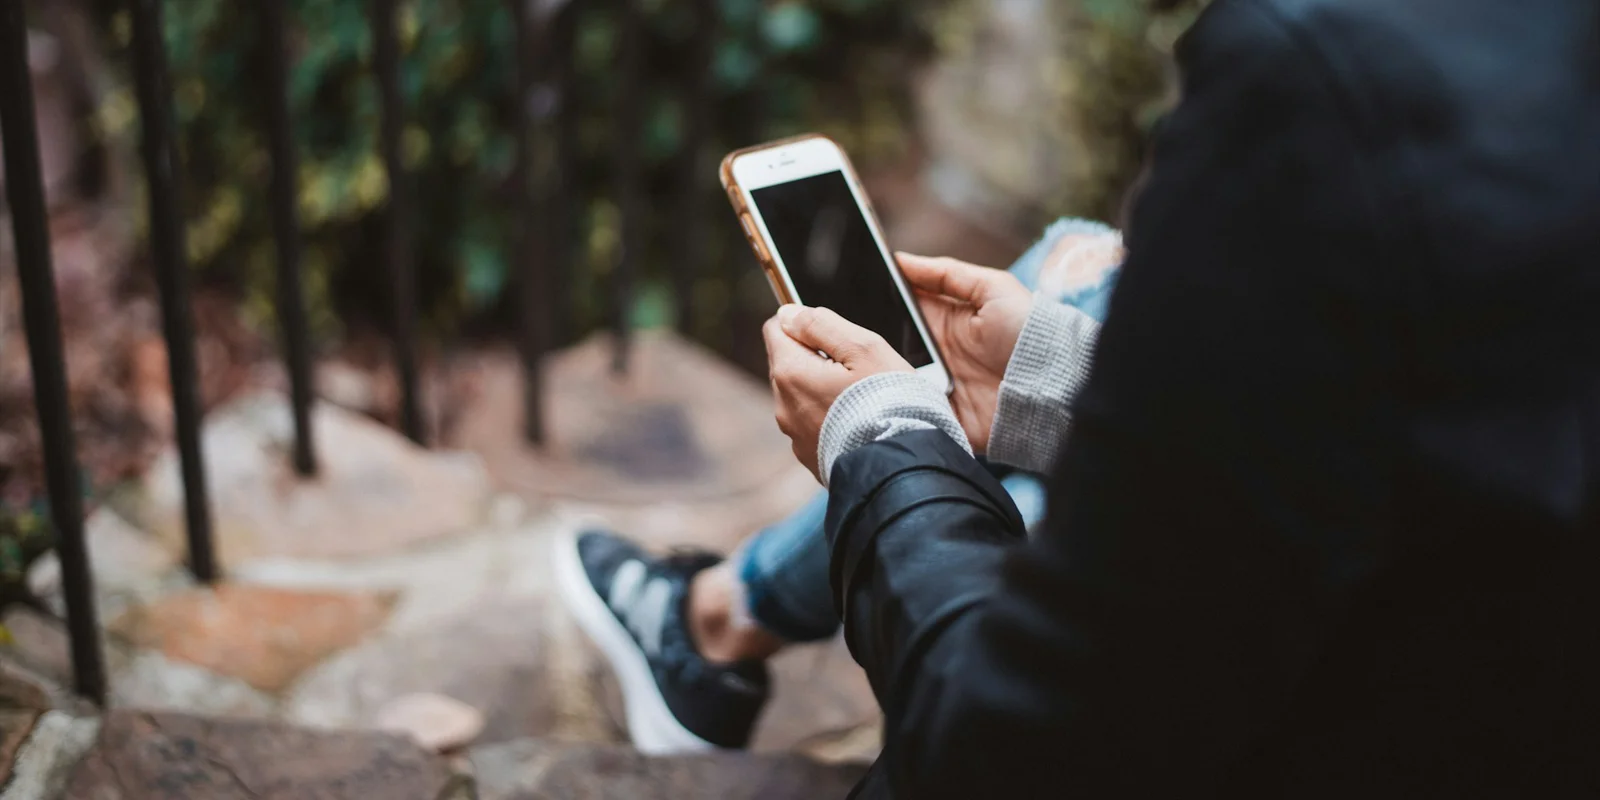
x=122, y=557
x=507, y=511
x=140, y=679
x=20, y=691
x=477, y=620
x=346, y=386
x=718, y=524
x=474, y=622
x=492, y=657
x=375, y=491
x=150, y=385
x=23, y=688
x=435, y=721
x=39, y=643
x=542, y=770
x=859, y=745
x=435, y=582
x=682, y=425
x=821, y=700
x=49, y=754
x=152, y=681
x=261, y=635
x=161, y=755
x=14, y=729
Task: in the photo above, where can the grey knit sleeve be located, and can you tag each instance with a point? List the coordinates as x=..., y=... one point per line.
x=879, y=407
x=1049, y=365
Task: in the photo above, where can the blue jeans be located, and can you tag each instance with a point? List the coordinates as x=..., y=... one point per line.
x=785, y=567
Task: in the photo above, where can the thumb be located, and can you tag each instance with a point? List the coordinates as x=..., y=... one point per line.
x=947, y=277
x=822, y=329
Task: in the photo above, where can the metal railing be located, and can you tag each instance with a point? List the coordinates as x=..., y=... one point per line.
x=544, y=54
x=172, y=273
x=42, y=320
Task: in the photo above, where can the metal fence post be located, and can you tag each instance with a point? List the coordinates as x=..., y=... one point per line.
x=295, y=330
x=402, y=268
x=689, y=254
x=568, y=203
x=172, y=273
x=626, y=164
x=25, y=193
x=533, y=231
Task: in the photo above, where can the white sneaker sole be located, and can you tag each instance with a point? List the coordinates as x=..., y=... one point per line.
x=651, y=725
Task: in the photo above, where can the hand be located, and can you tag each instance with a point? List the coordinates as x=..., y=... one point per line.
x=975, y=314
x=806, y=384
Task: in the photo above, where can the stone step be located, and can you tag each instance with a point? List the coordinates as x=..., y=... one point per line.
x=156, y=755
x=681, y=450
x=532, y=769
x=471, y=619
x=160, y=755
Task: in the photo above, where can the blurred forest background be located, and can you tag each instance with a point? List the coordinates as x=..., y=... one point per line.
x=974, y=122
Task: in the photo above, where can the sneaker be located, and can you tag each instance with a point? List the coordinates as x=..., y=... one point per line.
x=631, y=604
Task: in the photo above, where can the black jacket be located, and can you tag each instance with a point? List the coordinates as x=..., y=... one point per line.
x=1326, y=525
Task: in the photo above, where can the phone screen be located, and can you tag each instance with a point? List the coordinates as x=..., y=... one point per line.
x=823, y=239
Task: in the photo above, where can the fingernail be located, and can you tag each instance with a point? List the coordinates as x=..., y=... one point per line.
x=787, y=312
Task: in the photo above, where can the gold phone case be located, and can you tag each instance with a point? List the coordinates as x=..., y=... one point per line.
x=769, y=265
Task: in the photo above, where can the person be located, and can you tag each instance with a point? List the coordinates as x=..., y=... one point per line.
x=688, y=634
x=1325, y=525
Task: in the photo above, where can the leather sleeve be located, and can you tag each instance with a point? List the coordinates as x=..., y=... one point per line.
x=963, y=522
x=1214, y=511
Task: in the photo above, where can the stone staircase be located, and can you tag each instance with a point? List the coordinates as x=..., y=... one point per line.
x=402, y=604
x=167, y=755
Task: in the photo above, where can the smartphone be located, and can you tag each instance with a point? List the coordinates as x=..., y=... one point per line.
x=812, y=228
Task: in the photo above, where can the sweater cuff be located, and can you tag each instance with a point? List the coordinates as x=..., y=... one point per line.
x=1049, y=365
x=878, y=407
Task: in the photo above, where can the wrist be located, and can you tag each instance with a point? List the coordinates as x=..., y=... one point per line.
x=879, y=406
x=1047, y=368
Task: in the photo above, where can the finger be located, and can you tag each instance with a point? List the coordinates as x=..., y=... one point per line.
x=938, y=304
x=787, y=358
x=822, y=329
x=948, y=277
x=780, y=346
x=940, y=312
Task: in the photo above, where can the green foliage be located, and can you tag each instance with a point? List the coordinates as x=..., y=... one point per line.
x=1116, y=85
x=779, y=67
x=25, y=535
x=1046, y=108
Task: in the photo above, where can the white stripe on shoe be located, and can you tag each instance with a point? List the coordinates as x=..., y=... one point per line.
x=651, y=725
